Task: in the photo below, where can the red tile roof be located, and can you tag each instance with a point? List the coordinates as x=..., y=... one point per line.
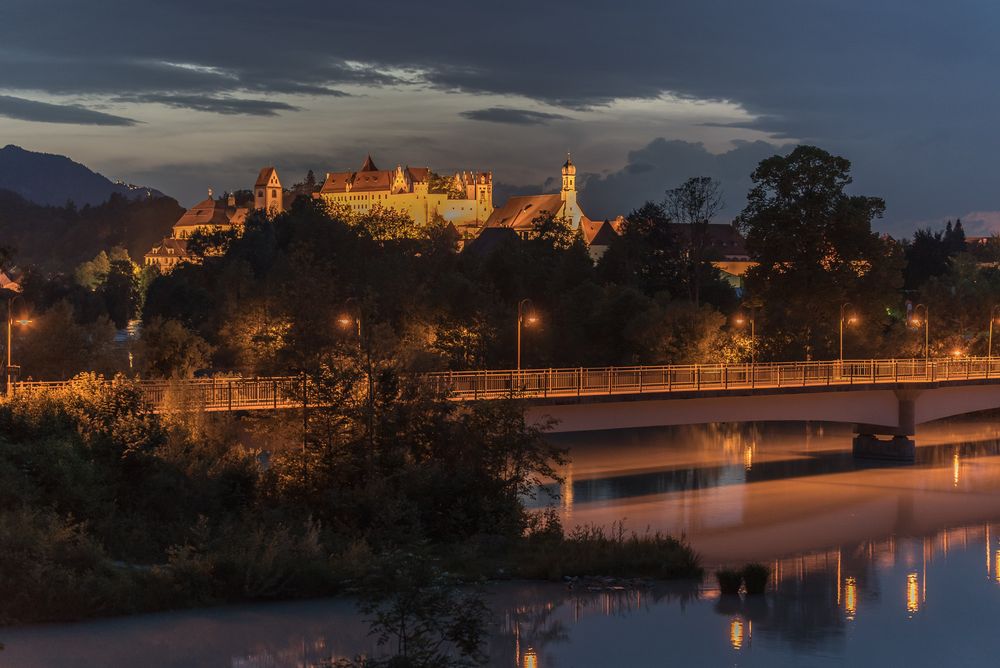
x=520, y=212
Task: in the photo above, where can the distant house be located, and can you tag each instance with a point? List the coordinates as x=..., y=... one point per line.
x=210, y=214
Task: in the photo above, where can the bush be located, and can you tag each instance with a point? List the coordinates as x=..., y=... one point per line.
x=755, y=576
x=729, y=581
x=593, y=551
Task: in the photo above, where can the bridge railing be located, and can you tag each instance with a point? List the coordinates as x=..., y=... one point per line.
x=237, y=393
x=581, y=381
x=207, y=394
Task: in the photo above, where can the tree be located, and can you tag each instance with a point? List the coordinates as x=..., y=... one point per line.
x=121, y=292
x=694, y=204
x=815, y=250
x=310, y=181
x=167, y=349
x=646, y=254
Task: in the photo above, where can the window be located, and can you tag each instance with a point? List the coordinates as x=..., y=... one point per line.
x=274, y=193
x=260, y=193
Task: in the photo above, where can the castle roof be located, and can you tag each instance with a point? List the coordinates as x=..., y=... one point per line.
x=520, y=212
x=264, y=177
x=212, y=213
x=369, y=179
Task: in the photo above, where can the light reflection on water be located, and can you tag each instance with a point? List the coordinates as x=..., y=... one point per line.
x=890, y=565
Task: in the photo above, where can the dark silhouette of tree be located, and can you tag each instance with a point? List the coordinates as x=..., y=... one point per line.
x=694, y=204
x=815, y=250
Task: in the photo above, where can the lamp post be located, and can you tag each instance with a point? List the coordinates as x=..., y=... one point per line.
x=994, y=314
x=10, y=327
x=741, y=320
x=915, y=321
x=850, y=319
x=351, y=320
x=525, y=316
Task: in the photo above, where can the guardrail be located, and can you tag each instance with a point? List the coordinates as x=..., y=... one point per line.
x=569, y=382
x=235, y=394
x=206, y=394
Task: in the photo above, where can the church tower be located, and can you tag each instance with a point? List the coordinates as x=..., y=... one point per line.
x=568, y=193
x=267, y=194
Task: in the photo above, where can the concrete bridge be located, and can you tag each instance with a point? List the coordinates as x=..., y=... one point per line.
x=887, y=398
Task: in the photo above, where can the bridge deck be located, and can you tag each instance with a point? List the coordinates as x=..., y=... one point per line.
x=272, y=393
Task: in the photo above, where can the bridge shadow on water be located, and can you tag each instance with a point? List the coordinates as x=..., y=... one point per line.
x=802, y=464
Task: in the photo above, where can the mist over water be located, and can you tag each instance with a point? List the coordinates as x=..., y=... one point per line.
x=871, y=565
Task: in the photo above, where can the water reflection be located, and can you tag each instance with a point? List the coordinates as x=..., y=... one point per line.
x=749, y=491
x=869, y=566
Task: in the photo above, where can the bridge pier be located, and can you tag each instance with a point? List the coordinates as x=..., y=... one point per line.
x=899, y=445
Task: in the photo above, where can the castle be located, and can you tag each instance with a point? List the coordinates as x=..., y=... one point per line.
x=464, y=200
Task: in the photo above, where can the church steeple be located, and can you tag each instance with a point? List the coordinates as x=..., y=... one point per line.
x=568, y=193
x=369, y=165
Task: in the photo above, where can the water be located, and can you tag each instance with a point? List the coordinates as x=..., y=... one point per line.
x=871, y=565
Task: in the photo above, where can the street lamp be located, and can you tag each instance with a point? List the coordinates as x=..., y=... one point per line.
x=994, y=314
x=525, y=316
x=915, y=320
x=741, y=320
x=349, y=320
x=850, y=319
x=10, y=326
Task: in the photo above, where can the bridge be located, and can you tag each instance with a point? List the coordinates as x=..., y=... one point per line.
x=886, y=398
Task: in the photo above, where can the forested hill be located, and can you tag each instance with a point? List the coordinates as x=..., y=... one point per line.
x=46, y=178
x=58, y=238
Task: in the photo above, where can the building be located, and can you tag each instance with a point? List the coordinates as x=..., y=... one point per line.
x=464, y=200
x=267, y=194
x=521, y=212
x=209, y=215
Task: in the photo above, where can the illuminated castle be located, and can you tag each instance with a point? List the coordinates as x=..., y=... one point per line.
x=465, y=200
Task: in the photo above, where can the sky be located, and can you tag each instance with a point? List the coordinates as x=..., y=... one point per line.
x=184, y=96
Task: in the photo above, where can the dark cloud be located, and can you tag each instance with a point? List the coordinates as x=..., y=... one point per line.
x=664, y=164
x=44, y=112
x=900, y=88
x=218, y=105
x=512, y=116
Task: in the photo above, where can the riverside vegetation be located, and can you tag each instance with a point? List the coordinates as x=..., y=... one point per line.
x=108, y=509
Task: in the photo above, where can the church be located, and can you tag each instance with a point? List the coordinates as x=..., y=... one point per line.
x=519, y=214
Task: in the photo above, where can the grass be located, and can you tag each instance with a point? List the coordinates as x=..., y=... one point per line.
x=594, y=551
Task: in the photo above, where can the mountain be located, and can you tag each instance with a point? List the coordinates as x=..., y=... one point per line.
x=46, y=178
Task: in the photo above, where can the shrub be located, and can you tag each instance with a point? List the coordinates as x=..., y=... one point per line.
x=755, y=576
x=729, y=581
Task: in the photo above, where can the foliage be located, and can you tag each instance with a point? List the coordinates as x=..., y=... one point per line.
x=815, y=251
x=167, y=349
x=694, y=204
x=729, y=581
x=594, y=551
x=755, y=578
x=422, y=614
x=58, y=238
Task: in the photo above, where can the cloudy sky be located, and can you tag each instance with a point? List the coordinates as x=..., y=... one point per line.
x=185, y=95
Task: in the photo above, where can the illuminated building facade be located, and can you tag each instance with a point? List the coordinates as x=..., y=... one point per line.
x=465, y=200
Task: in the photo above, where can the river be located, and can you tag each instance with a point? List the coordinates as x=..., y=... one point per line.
x=878, y=565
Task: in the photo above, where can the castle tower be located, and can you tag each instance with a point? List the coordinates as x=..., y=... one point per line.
x=568, y=193
x=267, y=194
x=484, y=195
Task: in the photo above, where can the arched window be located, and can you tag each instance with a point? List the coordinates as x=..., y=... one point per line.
x=274, y=193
